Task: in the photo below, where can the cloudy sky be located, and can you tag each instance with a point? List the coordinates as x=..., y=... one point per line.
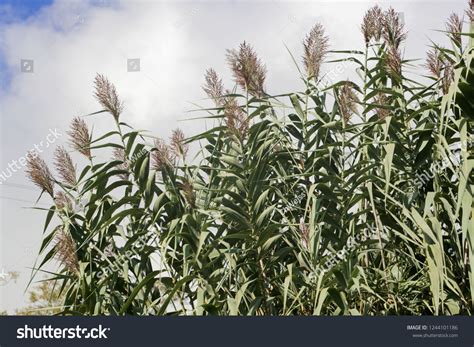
x=50, y=52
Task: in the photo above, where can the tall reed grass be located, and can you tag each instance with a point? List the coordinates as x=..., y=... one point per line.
x=280, y=185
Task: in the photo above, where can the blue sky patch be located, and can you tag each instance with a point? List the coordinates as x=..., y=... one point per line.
x=18, y=10
x=12, y=11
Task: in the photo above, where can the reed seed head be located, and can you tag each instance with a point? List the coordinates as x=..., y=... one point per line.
x=348, y=100
x=107, y=96
x=119, y=154
x=79, y=137
x=304, y=232
x=66, y=251
x=62, y=201
x=161, y=155
x=248, y=70
x=65, y=166
x=214, y=88
x=470, y=11
x=38, y=172
x=315, y=48
x=236, y=120
x=372, y=24
x=434, y=62
x=393, y=30
x=382, y=100
x=189, y=193
x=448, y=76
x=454, y=28
x=440, y=68
x=393, y=61
x=178, y=145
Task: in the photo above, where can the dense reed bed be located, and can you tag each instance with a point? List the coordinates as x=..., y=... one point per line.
x=346, y=198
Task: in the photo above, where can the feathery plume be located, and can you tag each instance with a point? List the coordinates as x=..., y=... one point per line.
x=448, y=76
x=304, y=230
x=65, y=166
x=66, y=251
x=393, y=61
x=106, y=94
x=372, y=24
x=189, y=193
x=214, y=88
x=248, y=70
x=434, y=62
x=38, y=172
x=80, y=138
x=161, y=155
x=470, y=11
x=119, y=154
x=347, y=101
x=315, y=48
x=382, y=100
x=236, y=120
x=178, y=145
x=393, y=30
x=440, y=68
x=63, y=201
x=454, y=28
